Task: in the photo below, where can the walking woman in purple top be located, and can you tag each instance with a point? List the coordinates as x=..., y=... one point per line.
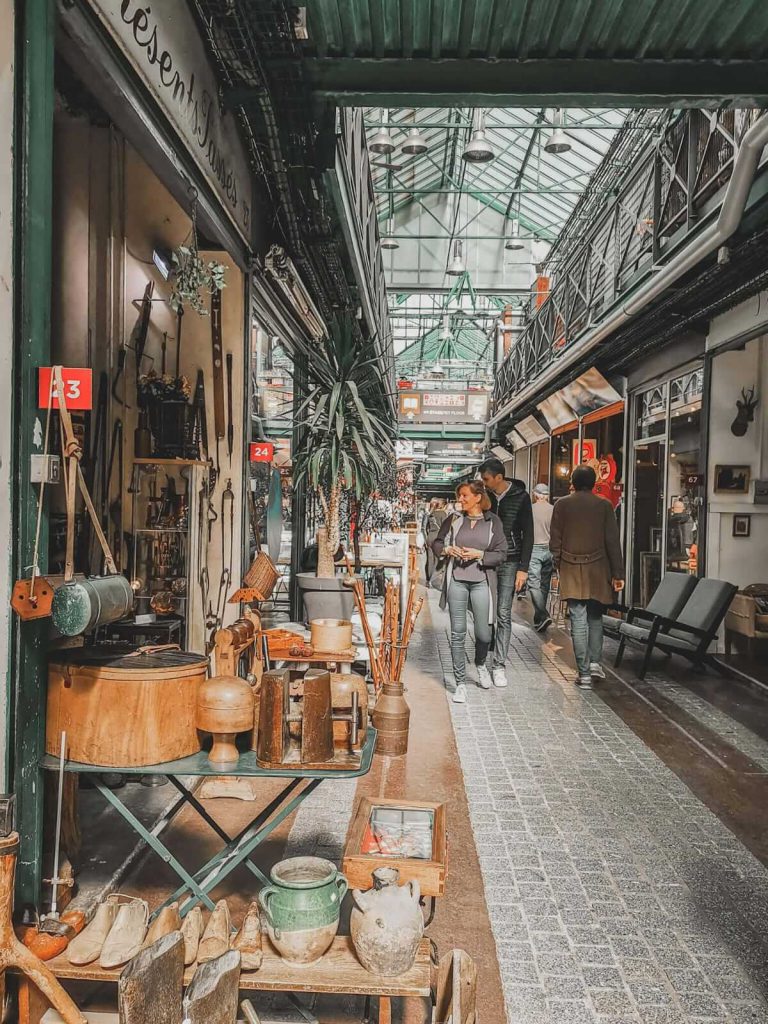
x=473, y=544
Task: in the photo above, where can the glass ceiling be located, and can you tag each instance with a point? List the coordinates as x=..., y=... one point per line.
x=523, y=180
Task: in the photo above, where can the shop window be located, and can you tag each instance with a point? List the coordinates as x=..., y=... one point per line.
x=564, y=450
x=603, y=449
x=685, y=479
x=668, y=482
x=651, y=412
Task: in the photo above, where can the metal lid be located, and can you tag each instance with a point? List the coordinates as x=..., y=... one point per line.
x=71, y=609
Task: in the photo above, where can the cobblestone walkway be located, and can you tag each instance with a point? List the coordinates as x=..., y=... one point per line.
x=615, y=895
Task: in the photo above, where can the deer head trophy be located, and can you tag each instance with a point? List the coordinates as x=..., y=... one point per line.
x=746, y=412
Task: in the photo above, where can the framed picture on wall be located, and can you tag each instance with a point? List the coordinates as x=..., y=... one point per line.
x=732, y=479
x=742, y=525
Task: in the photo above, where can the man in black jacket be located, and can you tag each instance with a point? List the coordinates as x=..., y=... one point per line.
x=512, y=504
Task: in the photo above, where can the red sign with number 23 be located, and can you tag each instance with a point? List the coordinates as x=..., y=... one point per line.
x=78, y=387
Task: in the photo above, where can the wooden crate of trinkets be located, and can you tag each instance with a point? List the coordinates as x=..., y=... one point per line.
x=409, y=835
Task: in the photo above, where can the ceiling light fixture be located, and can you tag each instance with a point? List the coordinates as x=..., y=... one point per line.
x=416, y=143
x=382, y=141
x=456, y=267
x=514, y=242
x=478, y=150
x=558, y=141
x=388, y=240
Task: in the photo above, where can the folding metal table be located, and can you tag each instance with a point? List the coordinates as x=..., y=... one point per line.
x=198, y=884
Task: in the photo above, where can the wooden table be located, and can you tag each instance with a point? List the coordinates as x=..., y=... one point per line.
x=339, y=972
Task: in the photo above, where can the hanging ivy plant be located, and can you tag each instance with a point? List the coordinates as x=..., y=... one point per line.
x=193, y=276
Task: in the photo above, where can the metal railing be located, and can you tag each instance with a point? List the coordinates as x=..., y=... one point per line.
x=672, y=187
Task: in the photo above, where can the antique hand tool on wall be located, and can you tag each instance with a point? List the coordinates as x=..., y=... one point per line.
x=179, y=319
x=141, y=330
x=230, y=420
x=219, y=425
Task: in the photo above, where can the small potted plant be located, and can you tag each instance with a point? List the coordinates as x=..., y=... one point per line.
x=348, y=436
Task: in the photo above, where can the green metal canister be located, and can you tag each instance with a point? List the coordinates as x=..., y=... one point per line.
x=82, y=605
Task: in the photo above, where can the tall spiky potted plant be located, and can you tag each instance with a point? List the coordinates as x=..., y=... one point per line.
x=348, y=433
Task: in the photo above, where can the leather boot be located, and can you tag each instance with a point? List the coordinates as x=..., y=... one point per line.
x=191, y=928
x=87, y=946
x=216, y=937
x=167, y=921
x=248, y=940
x=126, y=935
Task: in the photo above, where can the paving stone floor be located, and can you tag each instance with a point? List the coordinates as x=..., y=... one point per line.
x=615, y=895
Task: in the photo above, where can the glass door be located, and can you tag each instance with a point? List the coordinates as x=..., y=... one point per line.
x=648, y=502
x=668, y=488
x=685, y=476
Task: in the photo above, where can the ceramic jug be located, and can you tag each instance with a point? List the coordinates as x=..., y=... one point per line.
x=302, y=906
x=387, y=924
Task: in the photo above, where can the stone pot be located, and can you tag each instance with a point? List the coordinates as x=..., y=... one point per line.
x=325, y=597
x=387, y=924
x=302, y=907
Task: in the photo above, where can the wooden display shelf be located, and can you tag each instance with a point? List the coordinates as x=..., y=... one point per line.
x=358, y=867
x=339, y=972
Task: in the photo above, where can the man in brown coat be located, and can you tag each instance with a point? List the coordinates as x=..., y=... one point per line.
x=586, y=548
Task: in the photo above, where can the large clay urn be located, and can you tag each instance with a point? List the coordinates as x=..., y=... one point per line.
x=387, y=924
x=301, y=907
x=225, y=707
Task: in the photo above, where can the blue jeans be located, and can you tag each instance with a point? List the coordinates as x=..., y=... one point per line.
x=586, y=633
x=505, y=576
x=539, y=579
x=460, y=596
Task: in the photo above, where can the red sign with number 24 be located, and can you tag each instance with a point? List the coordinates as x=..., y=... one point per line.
x=78, y=387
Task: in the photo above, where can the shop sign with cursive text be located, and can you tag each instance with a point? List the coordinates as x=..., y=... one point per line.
x=162, y=42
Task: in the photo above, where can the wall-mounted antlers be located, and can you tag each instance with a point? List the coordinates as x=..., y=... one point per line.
x=746, y=412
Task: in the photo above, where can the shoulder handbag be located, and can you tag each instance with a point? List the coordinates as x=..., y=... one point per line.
x=437, y=579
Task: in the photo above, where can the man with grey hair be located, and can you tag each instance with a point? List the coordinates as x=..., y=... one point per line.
x=542, y=565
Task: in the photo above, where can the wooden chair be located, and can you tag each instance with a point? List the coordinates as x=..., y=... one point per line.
x=691, y=633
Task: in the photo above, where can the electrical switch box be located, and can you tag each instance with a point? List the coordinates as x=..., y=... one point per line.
x=45, y=469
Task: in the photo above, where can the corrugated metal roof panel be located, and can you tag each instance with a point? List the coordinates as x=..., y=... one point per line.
x=686, y=29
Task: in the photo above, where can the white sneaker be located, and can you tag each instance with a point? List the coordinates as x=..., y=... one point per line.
x=584, y=683
x=460, y=694
x=483, y=678
x=500, y=676
x=596, y=670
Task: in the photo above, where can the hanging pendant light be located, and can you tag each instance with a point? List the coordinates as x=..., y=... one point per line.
x=514, y=242
x=388, y=240
x=416, y=143
x=382, y=141
x=478, y=150
x=558, y=141
x=456, y=267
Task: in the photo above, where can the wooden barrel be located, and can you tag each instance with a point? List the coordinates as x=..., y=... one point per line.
x=121, y=710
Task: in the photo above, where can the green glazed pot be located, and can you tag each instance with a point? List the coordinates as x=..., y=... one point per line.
x=302, y=907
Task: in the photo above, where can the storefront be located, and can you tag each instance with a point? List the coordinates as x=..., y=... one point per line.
x=153, y=222
x=581, y=423
x=668, y=481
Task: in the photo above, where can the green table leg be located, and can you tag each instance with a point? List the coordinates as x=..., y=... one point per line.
x=151, y=839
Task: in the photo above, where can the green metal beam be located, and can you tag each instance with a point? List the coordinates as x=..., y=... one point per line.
x=33, y=348
x=396, y=82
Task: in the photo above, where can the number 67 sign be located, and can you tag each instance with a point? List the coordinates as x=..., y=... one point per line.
x=78, y=387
